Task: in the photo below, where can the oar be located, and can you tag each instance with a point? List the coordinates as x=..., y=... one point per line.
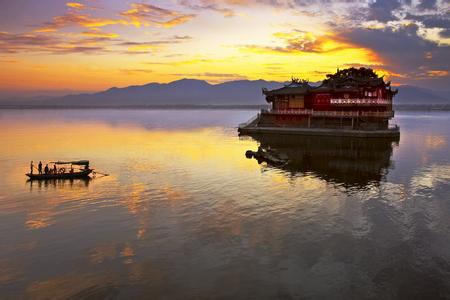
x=104, y=174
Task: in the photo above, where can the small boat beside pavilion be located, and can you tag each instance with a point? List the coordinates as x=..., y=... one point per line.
x=64, y=170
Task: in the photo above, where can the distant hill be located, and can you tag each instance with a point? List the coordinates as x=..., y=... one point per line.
x=412, y=95
x=190, y=92
x=181, y=92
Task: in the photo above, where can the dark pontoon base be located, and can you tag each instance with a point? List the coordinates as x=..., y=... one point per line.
x=387, y=133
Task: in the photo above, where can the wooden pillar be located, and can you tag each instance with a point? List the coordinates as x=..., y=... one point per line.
x=353, y=123
x=309, y=121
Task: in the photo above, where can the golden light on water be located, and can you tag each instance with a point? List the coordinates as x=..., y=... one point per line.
x=145, y=152
x=183, y=199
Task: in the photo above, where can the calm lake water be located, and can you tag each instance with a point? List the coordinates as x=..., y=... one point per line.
x=184, y=214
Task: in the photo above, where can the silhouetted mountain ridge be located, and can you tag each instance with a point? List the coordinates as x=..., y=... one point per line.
x=191, y=92
x=180, y=92
x=416, y=95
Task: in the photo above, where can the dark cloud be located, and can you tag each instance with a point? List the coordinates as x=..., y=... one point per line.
x=404, y=51
x=428, y=4
x=182, y=37
x=208, y=5
x=44, y=43
x=146, y=47
x=147, y=43
x=174, y=40
x=14, y=43
x=382, y=10
x=135, y=71
x=445, y=33
x=66, y=44
x=78, y=49
x=432, y=20
x=209, y=74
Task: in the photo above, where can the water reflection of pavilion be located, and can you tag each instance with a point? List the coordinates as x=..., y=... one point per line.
x=343, y=160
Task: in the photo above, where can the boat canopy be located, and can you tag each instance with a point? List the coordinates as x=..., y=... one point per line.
x=78, y=162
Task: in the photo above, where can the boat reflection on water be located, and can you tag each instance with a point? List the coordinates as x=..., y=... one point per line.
x=59, y=183
x=352, y=162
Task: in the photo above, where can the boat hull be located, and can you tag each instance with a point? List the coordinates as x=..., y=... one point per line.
x=75, y=175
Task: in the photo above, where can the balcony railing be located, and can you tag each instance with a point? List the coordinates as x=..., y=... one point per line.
x=325, y=113
x=363, y=101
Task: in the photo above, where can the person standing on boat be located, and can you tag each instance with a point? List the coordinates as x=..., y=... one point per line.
x=31, y=167
x=55, y=170
x=46, y=169
x=40, y=167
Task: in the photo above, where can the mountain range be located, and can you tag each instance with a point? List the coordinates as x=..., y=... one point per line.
x=192, y=92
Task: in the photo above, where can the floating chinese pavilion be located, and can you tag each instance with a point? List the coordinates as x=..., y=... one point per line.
x=351, y=102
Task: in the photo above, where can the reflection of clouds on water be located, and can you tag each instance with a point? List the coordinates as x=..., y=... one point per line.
x=88, y=286
x=151, y=119
x=184, y=214
x=430, y=177
x=134, y=198
x=127, y=252
x=103, y=252
x=435, y=142
x=38, y=221
x=66, y=195
x=9, y=272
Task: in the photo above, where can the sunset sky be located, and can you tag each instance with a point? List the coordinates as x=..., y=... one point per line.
x=92, y=45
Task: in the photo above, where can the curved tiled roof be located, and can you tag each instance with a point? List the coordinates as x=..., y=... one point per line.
x=342, y=85
x=292, y=88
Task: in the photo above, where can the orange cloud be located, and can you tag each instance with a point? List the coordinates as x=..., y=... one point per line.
x=142, y=14
x=95, y=32
x=177, y=21
x=437, y=73
x=44, y=43
x=76, y=5
x=76, y=19
x=300, y=41
x=139, y=14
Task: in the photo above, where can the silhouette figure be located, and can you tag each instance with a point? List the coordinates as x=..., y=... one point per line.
x=31, y=167
x=46, y=169
x=40, y=167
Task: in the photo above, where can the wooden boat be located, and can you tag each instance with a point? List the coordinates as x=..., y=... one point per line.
x=267, y=156
x=74, y=175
